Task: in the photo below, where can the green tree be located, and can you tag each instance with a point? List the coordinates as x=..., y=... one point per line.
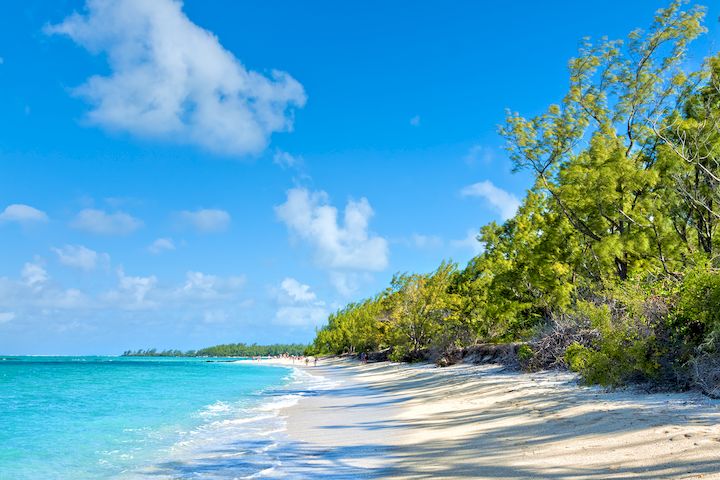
x=421, y=308
x=593, y=154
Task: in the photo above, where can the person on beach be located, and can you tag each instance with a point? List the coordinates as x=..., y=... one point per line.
x=307, y=360
x=314, y=361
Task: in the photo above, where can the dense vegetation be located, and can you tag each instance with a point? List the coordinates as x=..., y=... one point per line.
x=610, y=265
x=228, y=350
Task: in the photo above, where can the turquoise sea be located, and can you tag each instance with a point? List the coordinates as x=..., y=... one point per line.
x=116, y=417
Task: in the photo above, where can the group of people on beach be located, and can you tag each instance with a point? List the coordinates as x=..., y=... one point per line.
x=294, y=358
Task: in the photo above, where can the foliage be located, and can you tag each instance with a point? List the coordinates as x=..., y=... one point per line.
x=228, y=350
x=609, y=266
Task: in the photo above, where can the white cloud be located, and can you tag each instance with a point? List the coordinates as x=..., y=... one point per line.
x=78, y=256
x=297, y=291
x=34, y=290
x=502, y=201
x=145, y=292
x=215, y=316
x=415, y=121
x=299, y=306
x=103, y=223
x=425, y=241
x=131, y=292
x=202, y=286
x=35, y=300
x=171, y=79
x=479, y=154
x=301, y=316
x=198, y=291
x=206, y=220
x=337, y=246
x=135, y=288
x=286, y=160
x=22, y=214
x=470, y=242
x=34, y=274
x=161, y=245
x=348, y=283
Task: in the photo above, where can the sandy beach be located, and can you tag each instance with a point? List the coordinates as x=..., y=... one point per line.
x=418, y=421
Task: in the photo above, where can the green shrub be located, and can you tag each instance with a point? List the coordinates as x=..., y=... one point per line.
x=697, y=319
x=595, y=367
x=576, y=356
x=525, y=356
x=626, y=351
x=525, y=353
x=399, y=354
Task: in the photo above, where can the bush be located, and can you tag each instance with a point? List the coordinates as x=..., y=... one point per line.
x=626, y=350
x=525, y=354
x=706, y=374
x=547, y=349
x=697, y=319
x=402, y=353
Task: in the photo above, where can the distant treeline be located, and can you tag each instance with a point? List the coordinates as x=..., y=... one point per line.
x=226, y=350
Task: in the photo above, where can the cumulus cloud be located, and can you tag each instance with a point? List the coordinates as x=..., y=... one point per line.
x=161, y=245
x=134, y=289
x=24, y=214
x=173, y=80
x=348, y=283
x=299, y=306
x=197, y=289
x=502, y=201
x=425, y=241
x=479, y=154
x=337, y=245
x=145, y=292
x=33, y=274
x=81, y=257
x=301, y=316
x=215, y=316
x=35, y=290
x=205, y=220
x=297, y=291
x=286, y=160
x=470, y=242
x=202, y=286
x=34, y=299
x=101, y=222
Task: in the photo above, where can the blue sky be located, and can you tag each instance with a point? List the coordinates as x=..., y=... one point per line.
x=179, y=175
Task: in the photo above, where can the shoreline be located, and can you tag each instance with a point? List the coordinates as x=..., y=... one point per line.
x=386, y=420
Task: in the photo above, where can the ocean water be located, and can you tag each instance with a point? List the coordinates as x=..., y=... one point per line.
x=127, y=418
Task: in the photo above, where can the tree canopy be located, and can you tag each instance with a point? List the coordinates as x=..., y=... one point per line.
x=616, y=234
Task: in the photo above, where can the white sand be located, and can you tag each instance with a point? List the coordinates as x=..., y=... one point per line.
x=398, y=421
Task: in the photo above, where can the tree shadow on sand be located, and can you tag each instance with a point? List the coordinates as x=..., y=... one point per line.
x=265, y=458
x=518, y=430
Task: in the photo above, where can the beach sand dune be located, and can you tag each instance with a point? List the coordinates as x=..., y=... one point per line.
x=417, y=421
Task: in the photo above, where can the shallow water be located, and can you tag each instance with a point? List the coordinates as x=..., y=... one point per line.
x=112, y=417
